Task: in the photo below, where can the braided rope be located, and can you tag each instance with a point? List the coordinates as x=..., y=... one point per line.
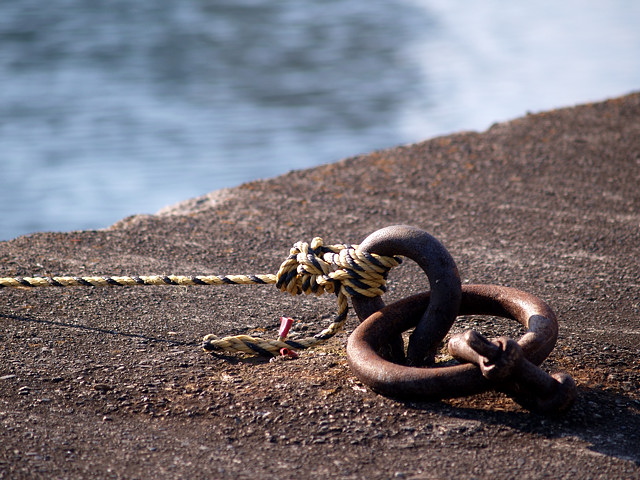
x=33, y=282
x=310, y=269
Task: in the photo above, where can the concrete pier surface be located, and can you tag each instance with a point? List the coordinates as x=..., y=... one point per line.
x=112, y=383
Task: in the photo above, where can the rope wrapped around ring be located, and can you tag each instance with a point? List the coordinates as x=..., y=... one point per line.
x=317, y=269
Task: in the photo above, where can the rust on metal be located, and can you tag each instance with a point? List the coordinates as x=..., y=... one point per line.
x=410, y=382
x=503, y=363
x=444, y=281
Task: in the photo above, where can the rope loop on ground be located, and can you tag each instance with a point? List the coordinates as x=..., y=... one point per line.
x=312, y=268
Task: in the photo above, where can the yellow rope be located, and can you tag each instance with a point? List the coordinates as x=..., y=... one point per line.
x=310, y=269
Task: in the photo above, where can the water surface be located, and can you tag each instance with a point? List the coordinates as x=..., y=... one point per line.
x=111, y=108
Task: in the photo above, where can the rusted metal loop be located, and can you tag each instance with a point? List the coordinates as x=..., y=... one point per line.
x=444, y=282
x=406, y=382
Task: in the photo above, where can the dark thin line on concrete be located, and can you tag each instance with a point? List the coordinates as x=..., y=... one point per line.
x=98, y=330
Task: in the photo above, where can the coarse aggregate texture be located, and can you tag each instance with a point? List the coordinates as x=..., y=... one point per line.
x=112, y=383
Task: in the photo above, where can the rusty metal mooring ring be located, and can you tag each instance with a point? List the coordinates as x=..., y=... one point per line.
x=400, y=381
x=444, y=281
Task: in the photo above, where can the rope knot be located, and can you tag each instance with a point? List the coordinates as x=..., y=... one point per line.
x=341, y=269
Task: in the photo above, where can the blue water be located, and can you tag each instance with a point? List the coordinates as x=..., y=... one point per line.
x=115, y=107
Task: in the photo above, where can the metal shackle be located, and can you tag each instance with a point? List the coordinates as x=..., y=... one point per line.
x=408, y=382
x=503, y=363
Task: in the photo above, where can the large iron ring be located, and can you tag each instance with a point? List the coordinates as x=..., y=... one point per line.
x=407, y=382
